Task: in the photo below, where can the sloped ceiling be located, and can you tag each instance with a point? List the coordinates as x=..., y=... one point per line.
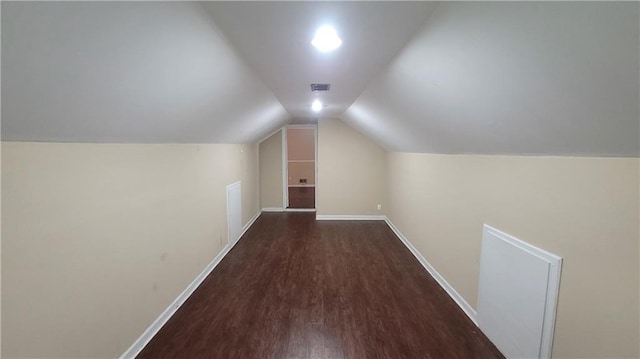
x=551, y=78
x=127, y=72
x=275, y=39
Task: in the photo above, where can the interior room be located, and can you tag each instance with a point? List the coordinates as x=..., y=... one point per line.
x=314, y=179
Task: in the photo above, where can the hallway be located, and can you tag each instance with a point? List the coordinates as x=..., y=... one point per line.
x=294, y=287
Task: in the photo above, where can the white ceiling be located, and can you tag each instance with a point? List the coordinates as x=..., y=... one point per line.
x=275, y=39
x=127, y=72
x=549, y=78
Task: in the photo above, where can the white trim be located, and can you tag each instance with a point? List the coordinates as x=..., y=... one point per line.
x=233, y=184
x=246, y=227
x=315, y=184
x=553, y=283
x=348, y=217
x=463, y=304
x=301, y=125
x=272, y=209
x=302, y=185
x=269, y=135
x=300, y=210
x=157, y=324
x=285, y=169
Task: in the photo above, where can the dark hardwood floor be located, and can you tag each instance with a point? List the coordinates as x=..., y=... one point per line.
x=294, y=287
x=302, y=197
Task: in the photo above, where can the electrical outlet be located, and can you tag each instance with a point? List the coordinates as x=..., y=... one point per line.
x=379, y=207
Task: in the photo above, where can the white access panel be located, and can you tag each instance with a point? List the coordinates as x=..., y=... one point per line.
x=234, y=212
x=517, y=295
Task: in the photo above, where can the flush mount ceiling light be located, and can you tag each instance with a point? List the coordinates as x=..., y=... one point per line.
x=316, y=106
x=326, y=39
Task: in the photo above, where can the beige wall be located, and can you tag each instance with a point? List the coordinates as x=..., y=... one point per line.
x=249, y=176
x=583, y=209
x=298, y=170
x=271, y=171
x=301, y=143
x=98, y=239
x=301, y=146
x=352, y=171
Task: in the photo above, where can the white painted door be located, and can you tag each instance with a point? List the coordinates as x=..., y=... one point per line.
x=517, y=295
x=234, y=212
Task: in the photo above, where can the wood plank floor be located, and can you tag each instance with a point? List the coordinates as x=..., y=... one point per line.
x=302, y=197
x=294, y=287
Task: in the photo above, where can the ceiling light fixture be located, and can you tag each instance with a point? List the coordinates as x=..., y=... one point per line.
x=326, y=39
x=316, y=106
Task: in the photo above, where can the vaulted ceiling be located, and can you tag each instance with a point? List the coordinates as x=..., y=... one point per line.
x=274, y=38
x=127, y=72
x=552, y=78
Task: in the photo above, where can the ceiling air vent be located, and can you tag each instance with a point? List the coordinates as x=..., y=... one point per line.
x=320, y=87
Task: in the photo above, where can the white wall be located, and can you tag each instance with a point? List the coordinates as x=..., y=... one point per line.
x=582, y=209
x=98, y=239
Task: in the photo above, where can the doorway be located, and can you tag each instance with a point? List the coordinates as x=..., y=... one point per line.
x=300, y=169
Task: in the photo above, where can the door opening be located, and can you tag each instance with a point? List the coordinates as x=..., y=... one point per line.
x=301, y=167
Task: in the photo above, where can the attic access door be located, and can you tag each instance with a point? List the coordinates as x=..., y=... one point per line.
x=300, y=169
x=517, y=295
x=234, y=212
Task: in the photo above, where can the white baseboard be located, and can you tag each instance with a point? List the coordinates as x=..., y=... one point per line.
x=463, y=304
x=273, y=209
x=153, y=329
x=348, y=217
x=300, y=210
x=250, y=223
